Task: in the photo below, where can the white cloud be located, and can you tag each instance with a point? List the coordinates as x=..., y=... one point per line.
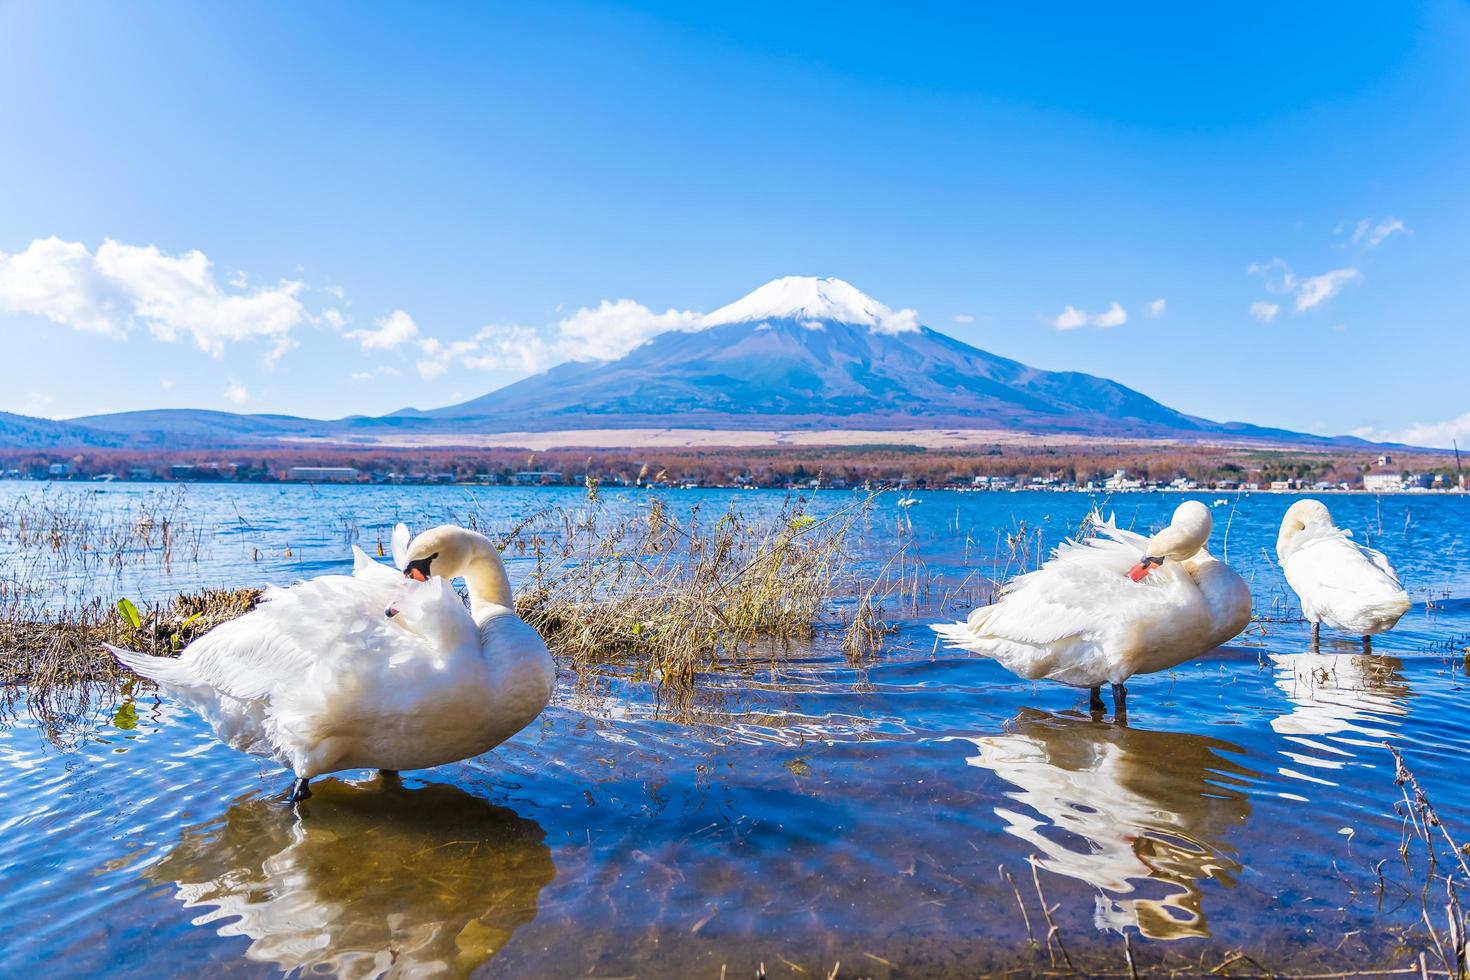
x=236, y=393
x=612, y=329
x=60, y=281
x=601, y=333
x=1072, y=318
x=897, y=321
x=1316, y=290
x=392, y=330
x=385, y=371
x=964, y=318
x=167, y=384
x=1265, y=312
x=1157, y=307
x=1371, y=234
x=1441, y=435
x=1307, y=293
x=1115, y=316
x=511, y=348
x=122, y=286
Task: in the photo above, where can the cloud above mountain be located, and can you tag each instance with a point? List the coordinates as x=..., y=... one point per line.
x=121, y=287
x=1072, y=318
x=613, y=328
x=1305, y=292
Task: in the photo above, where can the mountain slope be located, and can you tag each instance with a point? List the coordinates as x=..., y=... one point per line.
x=797, y=353
x=802, y=352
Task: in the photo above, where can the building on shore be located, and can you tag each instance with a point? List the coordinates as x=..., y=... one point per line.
x=322, y=474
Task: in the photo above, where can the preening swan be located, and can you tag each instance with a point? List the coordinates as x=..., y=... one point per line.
x=373, y=670
x=1112, y=605
x=1340, y=582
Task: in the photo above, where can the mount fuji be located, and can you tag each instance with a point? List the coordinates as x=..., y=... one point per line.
x=799, y=353
x=803, y=352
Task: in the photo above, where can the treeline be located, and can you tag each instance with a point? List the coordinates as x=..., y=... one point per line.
x=763, y=466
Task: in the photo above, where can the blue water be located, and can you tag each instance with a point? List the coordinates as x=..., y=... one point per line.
x=797, y=812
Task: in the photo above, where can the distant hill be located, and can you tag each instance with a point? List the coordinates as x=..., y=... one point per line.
x=25, y=432
x=798, y=353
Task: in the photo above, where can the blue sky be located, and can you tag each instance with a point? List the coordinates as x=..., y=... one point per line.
x=409, y=205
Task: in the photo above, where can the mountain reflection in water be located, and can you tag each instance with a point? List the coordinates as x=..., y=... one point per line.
x=1125, y=810
x=369, y=880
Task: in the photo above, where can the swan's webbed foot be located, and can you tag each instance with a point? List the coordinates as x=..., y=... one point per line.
x=300, y=790
x=1095, y=706
x=1120, y=703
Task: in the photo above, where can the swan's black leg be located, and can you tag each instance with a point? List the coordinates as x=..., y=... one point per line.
x=300, y=790
x=1367, y=644
x=1120, y=702
x=390, y=776
x=1316, y=637
x=1096, y=706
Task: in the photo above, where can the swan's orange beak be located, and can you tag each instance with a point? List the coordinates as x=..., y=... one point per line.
x=416, y=575
x=1140, y=571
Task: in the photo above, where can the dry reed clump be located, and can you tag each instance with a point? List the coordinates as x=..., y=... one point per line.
x=675, y=598
x=67, y=649
x=55, y=666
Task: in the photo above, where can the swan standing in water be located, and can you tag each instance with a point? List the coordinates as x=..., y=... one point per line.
x=1340, y=582
x=1113, y=605
x=373, y=670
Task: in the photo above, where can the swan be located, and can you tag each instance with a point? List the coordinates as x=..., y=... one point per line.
x=374, y=670
x=1112, y=605
x=1340, y=582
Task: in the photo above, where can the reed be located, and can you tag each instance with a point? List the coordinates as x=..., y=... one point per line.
x=677, y=597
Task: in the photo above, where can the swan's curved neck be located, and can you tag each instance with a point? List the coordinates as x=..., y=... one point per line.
x=487, y=581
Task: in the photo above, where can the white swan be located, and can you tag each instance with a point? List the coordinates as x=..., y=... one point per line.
x=1340, y=582
x=1112, y=605
x=376, y=670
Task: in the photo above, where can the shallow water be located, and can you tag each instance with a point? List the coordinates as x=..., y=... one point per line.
x=796, y=815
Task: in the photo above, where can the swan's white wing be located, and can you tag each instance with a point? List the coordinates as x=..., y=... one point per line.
x=400, y=541
x=434, y=611
x=1343, y=584
x=1381, y=562
x=365, y=568
x=247, y=658
x=333, y=622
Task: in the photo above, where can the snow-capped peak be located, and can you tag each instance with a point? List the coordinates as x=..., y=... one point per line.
x=810, y=299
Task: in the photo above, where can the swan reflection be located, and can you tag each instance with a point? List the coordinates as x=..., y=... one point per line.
x=1141, y=815
x=368, y=881
x=1338, y=704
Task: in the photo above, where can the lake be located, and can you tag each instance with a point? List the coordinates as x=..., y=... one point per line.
x=897, y=817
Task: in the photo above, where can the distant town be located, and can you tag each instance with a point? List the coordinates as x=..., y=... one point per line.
x=1135, y=468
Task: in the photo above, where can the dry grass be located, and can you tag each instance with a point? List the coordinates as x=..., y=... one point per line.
x=632, y=587
x=675, y=598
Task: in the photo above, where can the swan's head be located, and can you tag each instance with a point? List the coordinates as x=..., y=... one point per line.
x=1182, y=539
x=447, y=551
x=1298, y=517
